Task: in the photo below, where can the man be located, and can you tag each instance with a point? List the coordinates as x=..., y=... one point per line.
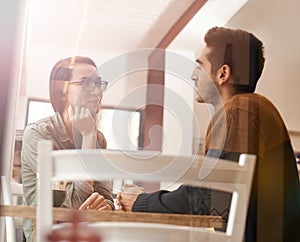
x=231, y=64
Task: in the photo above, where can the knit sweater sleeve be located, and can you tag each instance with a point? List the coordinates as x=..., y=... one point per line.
x=181, y=200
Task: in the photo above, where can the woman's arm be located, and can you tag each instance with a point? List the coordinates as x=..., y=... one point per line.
x=85, y=123
x=100, y=196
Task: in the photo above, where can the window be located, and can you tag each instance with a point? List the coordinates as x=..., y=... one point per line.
x=121, y=127
x=38, y=109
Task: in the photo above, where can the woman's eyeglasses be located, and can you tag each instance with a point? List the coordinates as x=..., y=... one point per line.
x=89, y=84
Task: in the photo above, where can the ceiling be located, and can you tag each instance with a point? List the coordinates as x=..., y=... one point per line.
x=121, y=25
x=115, y=25
x=104, y=29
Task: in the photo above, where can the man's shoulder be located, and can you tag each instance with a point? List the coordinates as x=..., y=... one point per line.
x=250, y=101
x=254, y=107
x=260, y=110
x=250, y=98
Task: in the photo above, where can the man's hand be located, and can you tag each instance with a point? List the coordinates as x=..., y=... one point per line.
x=127, y=197
x=95, y=202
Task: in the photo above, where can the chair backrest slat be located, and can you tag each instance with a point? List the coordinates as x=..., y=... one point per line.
x=229, y=176
x=11, y=192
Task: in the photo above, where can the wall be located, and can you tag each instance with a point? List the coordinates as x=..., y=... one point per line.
x=276, y=23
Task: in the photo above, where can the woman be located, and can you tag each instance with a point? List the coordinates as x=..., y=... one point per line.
x=76, y=91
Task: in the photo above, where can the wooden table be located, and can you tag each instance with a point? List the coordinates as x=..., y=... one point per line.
x=64, y=215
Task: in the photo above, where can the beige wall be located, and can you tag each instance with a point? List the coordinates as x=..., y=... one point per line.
x=276, y=23
x=295, y=137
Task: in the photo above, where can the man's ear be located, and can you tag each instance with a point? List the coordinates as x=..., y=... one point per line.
x=223, y=74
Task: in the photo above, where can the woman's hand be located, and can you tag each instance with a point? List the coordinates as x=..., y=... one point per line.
x=83, y=120
x=95, y=202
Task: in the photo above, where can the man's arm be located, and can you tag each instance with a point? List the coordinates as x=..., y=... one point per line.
x=184, y=200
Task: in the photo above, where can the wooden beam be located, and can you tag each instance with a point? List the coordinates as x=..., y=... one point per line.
x=181, y=23
x=156, y=76
x=153, y=116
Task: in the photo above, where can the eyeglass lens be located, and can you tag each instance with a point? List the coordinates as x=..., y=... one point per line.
x=89, y=84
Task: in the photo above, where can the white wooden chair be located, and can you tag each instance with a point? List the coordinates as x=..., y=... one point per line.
x=11, y=192
x=143, y=165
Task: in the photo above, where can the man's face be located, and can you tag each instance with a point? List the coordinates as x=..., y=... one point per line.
x=206, y=90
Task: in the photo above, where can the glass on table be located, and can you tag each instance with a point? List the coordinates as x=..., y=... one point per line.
x=59, y=193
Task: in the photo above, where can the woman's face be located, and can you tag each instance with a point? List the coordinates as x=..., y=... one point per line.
x=78, y=95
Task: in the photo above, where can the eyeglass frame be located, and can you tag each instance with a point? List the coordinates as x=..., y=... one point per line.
x=98, y=82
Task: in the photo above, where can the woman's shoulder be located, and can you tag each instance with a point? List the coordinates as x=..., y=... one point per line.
x=36, y=127
x=42, y=127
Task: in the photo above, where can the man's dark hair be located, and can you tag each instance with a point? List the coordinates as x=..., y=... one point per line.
x=239, y=49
